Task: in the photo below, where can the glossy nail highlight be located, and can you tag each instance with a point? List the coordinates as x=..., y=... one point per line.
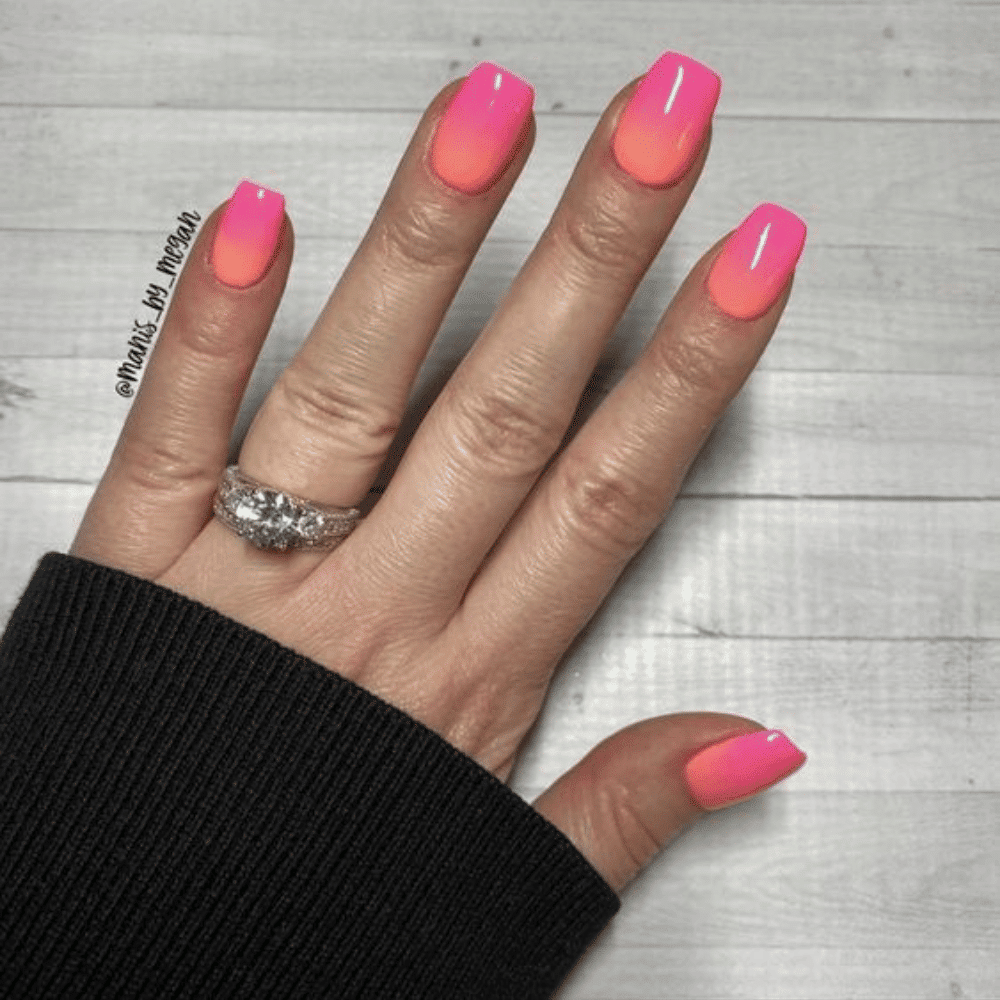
x=661, y=130
x=753, y=267
x=247, y=237
x=477, y=137
x=727, y=772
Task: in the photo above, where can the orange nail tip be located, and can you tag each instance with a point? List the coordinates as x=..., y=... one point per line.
x=247, y=237
x=735, y=769
x=476, y=139
x=754, y=266
x=663, y=126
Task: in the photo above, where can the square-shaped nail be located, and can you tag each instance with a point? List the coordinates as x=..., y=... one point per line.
x=724, y=773
x=247, y=237
x=753, y=267
x=661, y=130
x=477, y=137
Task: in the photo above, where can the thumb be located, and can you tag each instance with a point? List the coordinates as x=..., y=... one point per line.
x=634, y=792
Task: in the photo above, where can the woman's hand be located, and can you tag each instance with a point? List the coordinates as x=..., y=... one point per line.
x=458, y=595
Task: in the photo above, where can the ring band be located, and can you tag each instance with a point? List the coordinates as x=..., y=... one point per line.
x=275, y=520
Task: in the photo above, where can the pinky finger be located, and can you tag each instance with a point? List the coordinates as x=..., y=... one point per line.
x=156, y=494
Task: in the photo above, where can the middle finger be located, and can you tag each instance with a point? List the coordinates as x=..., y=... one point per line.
x=498, y=421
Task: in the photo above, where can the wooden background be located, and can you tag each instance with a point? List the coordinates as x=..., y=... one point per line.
x=833, y=566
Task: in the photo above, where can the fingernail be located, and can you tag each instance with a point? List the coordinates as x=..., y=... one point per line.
x=663, y=126
x=753, y=267
x=476, y=139
x=247, y=237
x=735, y=769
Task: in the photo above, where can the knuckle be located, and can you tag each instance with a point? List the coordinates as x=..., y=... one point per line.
x=328, y=410
x=422, y=235
x=611, y=509
x=501, y=432
x=624, y=816
x=692, y=366
x=209, y=337
x=162, y=464
x=600, y=240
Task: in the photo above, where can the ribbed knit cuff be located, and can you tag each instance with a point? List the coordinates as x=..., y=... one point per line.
x=190, y=809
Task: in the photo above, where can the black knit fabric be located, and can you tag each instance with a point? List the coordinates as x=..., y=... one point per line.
x=189, y=809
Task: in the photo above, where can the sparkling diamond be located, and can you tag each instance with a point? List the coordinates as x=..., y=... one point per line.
x=247, y=512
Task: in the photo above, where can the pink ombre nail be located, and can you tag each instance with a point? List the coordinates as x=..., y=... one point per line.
x=476, y=139
x=727, y=772
x=247, y=237
x=662, y=129
x=753, y=267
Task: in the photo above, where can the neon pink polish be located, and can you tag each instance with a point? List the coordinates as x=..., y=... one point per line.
x=663, y=127
x=247, y=237
x=727, y=772
x=476, y=139
x=753, y=267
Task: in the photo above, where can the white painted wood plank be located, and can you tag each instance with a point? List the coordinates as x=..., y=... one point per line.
x=910, y=866
x=870, y=309
x=790, y=434
x=873, y=715
x=801, y=870
x=796, y=874
x=819, y=568
x=857, y=183
x=614, y=971
x=38, y=518
x=907, y=60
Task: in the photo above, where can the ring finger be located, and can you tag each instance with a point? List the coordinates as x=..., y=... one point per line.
x=598, y=504
x=325, y=428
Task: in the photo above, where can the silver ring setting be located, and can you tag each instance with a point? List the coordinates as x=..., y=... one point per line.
x=278, y=521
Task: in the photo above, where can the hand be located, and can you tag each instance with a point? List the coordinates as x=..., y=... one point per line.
x=489, y=550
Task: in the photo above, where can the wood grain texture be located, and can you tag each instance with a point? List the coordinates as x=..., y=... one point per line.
x=832, y=567
x=813, y=58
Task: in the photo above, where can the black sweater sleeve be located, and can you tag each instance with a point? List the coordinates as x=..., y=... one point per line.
x=189, y=809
